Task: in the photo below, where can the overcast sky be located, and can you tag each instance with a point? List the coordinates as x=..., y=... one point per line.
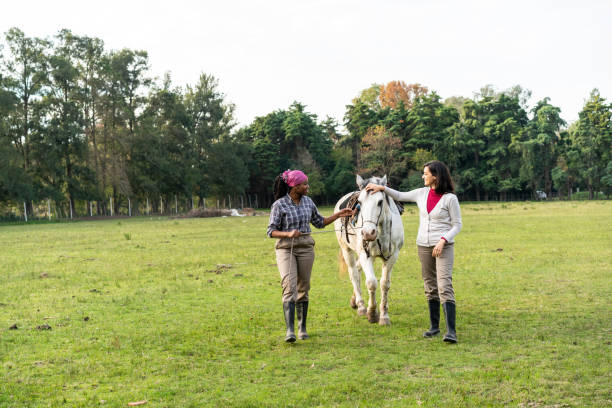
x=322, y=53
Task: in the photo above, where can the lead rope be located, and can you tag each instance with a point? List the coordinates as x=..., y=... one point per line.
x=291, y=255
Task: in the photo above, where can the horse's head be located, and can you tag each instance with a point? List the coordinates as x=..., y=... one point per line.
x=372, y=207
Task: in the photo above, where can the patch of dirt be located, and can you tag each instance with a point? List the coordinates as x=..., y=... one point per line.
x=13, y=327
x=43, y=327
x=220, y=269
x=206, y=213
x=219, y=212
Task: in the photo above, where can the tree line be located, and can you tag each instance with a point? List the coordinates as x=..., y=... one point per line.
x=80, y=124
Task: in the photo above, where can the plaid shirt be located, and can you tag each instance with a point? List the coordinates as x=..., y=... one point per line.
x=287, y=216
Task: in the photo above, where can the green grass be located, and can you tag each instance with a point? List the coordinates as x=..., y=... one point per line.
x=140, y=310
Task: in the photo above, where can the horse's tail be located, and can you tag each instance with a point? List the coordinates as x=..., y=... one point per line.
x=342, y=266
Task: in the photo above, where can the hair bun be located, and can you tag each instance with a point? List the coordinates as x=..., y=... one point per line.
x=285, y=175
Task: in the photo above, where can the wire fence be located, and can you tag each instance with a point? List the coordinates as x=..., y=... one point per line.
x=118, y=207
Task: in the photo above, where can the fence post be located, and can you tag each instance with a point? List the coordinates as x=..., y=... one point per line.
x=161, y=205
x=25, y=212
x=175, y=205
x=148, y=212
x=48, y=209
x=70, y=205
x=129, y=207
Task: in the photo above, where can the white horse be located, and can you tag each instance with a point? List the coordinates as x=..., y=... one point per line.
x=376, y=230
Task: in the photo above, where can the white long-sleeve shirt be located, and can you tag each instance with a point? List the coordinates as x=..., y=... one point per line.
x=444, y=220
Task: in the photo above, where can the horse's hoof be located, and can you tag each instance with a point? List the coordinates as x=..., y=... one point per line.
x=373, y=316
x=353, y=302
x=362, y=311
x=384, y=321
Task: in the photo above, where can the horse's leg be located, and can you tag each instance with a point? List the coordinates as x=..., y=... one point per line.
x=367, y=264
x=385, y=284
x=356, y=300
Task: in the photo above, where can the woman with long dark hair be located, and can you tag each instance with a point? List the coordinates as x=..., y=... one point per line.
x=440, y=222
x=290, y=219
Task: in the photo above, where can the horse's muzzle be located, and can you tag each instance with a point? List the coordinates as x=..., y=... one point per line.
x=369, y=234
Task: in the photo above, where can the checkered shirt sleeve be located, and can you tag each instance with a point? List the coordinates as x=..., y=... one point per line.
x=287, y=216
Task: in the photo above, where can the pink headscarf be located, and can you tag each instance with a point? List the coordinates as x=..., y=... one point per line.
x=294, y=177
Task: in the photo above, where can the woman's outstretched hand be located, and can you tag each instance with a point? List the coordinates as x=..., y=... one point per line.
x=345, y=212
x=374, y=187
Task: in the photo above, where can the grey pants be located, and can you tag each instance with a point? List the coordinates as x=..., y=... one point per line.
x=295, y=267
x=438, y=273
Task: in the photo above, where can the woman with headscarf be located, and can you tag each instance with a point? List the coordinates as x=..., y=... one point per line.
x=290, y=219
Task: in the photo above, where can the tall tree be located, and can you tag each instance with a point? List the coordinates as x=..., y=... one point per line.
x=161, y=160
x=467, y=142
x=89, y=62
x=122, y=79
x=503, y=121
x=370, y=97
x=538, y=146
x=62, y=162
x=593, y=139
x=26, y=71
x=395, y=92
x=210, y=121
x=15, y=183
x=358, y=119
x=381, y=152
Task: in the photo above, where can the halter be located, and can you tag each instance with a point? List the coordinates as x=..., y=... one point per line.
x=366, y=247
x=377, y=219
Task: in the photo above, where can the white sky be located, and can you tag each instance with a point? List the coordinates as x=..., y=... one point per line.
x=269, y=53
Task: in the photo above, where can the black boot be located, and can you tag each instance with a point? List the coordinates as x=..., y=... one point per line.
x=449, y=314
x=434, y=318
x=289, y=310
x=301, y=309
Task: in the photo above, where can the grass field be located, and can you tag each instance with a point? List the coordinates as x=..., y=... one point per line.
x=148, y=309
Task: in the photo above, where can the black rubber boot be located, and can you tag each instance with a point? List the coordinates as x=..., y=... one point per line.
x=301, y=309
x=449, y=314
x=289, y=310
x=434, y=318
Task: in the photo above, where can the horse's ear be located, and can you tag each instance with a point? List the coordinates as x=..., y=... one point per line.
x=359, y=181
x=384, y=180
